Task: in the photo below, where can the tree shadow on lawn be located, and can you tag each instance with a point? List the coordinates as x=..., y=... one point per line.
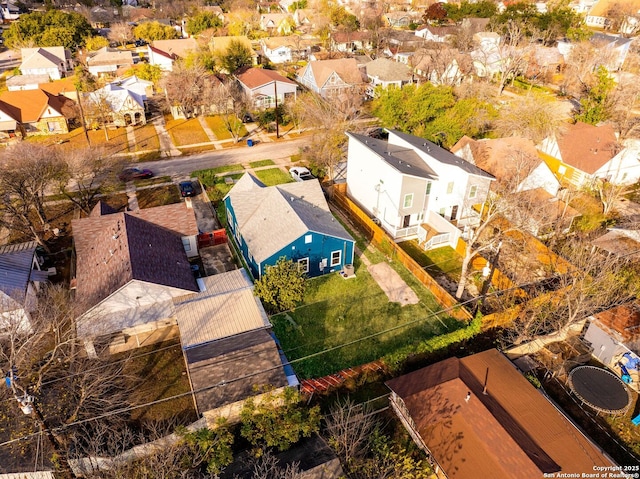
x=355, y=317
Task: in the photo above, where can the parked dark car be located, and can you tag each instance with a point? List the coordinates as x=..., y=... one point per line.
x=186, y=189
x=129, y=174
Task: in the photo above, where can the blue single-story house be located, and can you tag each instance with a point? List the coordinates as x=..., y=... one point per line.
x=291, y=220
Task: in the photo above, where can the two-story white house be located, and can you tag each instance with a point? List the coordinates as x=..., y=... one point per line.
x=55, y=62
x=415, y=188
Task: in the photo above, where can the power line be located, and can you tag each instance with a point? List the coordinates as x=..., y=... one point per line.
x=309, y=356
x=221, y=383
x=247, y=376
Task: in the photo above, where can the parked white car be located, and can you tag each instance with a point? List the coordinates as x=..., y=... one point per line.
x=300, y=173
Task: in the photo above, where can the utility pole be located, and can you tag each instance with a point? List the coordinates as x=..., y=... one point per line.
x=492, y=267
x=30, y=407
x=275, y=94
x=84, y=123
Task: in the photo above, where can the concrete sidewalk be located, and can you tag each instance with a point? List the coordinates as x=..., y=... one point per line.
x=167, y=148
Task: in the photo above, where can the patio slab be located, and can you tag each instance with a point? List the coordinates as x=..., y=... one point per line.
x=392, y=284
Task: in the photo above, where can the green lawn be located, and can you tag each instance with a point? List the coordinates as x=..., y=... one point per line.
x=338, y=312
x=220, y=130
x=273, y=176
x=258, y=164
x=216, y=187
x=437, y=261
x=209, y=177
x=151, y=181
x=146, y=138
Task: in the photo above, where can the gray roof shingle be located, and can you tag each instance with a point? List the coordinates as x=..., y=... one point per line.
x=270, y=218
x=227, y=370
x=15, y=268
x=440, y=154
x=405, y=160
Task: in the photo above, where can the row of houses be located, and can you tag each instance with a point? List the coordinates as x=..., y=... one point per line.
x=414, y=188
x=133, y=277
x=134, y=281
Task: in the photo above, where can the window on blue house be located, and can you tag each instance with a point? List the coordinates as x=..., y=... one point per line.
x=336, y=258
x=303, y=265
x=308, y=238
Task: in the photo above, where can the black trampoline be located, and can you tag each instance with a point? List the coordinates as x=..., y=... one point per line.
x=600, y=389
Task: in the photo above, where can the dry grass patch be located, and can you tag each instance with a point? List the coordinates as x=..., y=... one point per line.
x=72, y=140
x=190, y=150
x=162, y=373
x=186, y=132
x=146, y=138
x=117, y=142
x=162, y=195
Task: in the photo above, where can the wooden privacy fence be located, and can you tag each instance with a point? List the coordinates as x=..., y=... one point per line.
x=386, y=244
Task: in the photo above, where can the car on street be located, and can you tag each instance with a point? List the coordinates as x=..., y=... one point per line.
x=186, y=189
x=130, y=174
x=300, y=173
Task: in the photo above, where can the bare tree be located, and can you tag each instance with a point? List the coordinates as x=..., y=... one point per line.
x=531, y=116
x=330, y=119
x=190, y=88
x=98, y=110
x=609, y=193
x=153, y=451
x=624, y=99
x=267, y=466
x=463, y=39
x=581, y=64
x=88, y=173
x=121, y=32
x=595, y=283
x=504, y=201
x=50, y=381
x=512, y=54
x=29, y=172
x=348, y=428
x=230, y=102
x=622, y=18
x=32, y=344
x=441, y=65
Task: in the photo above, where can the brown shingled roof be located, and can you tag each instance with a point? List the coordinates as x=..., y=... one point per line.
x=225, y=363
x=511, y=431
x=57, y=87
x=29, y=105
x=587, y=147
x=256, y=77
x=504, y=158
x=176, y=217
x=346, y=68
x=114, y=249
x=624, y=319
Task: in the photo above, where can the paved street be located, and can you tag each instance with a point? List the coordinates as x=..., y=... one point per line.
x=279, y=152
